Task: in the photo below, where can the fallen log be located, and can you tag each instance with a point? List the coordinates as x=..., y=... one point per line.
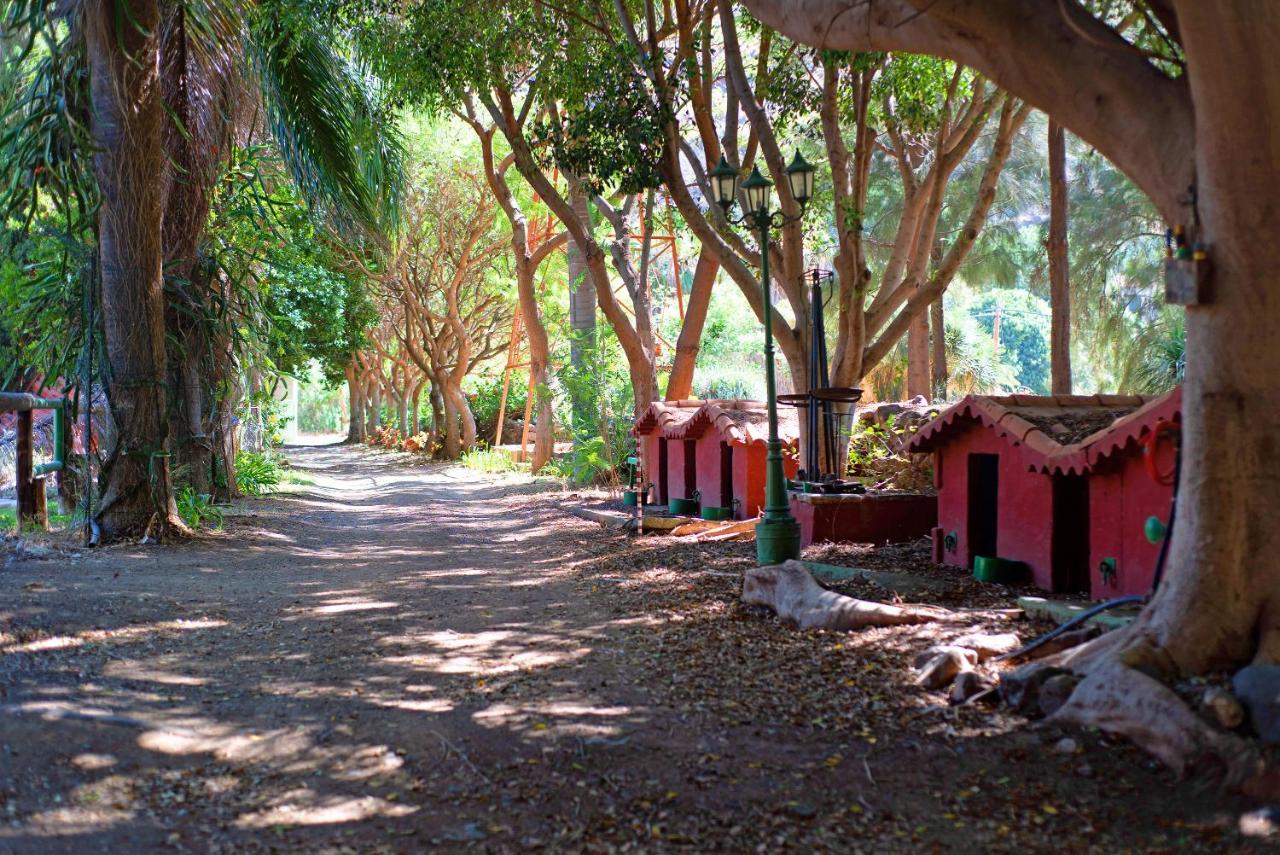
x=696, y=527
x=740, y=529
x=794, y=595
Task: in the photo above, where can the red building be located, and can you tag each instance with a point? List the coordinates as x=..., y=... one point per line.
x=716, y=448
x=1061, y=483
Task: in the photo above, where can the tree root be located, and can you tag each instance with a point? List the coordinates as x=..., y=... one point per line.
x=1125, y=701
x=790, y=590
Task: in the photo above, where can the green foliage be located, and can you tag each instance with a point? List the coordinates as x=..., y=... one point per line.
x=487, y=460
x=327, y=122
x=602, y=438
x=319, y=407
x=57, y=520
x=257, y=472
x=878, y=459
x=609, y=131
x=486, y=398
x=198, y=509
x=49, y=199
x=1024, y=333
x=915, y=87
x=287, y=279
x=1163, y=361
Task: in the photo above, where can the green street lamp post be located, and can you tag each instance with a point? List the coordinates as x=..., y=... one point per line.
x=778, y=534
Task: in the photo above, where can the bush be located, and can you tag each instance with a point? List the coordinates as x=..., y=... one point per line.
x=487, y=398
x=196, y=508
x=487, y=460
x=878, y=457
x=257, y=472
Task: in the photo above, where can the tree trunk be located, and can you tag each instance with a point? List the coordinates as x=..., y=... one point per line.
x=1219, y=603
x=375, y=404
x=355, y=404
x=438, y=415
x=680, y=383
x=127, y=120
x=539, y=366
x=452, y=439
x=938, y=330
x=1215, y=130
x=918, y=356
x=224, y=431
x=582, y=317
x=415, y=405
x=194, y=451
x=402, y=411
x=1059, y=282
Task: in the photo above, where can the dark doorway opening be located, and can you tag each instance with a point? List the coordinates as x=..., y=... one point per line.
x=663, y=498
x=1070, y=533
x=984, y=500
x=726, y=476
x=690, y=468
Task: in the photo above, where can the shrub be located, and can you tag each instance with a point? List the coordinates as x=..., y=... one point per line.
x=196, y=508
x=257, y=472
x=487, y=460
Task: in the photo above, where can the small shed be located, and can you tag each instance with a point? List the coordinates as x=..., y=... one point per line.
x=1129, y=466
x=714, y=447
x=1056, y=482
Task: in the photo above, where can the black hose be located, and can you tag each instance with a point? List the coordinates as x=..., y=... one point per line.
x=1071, y=624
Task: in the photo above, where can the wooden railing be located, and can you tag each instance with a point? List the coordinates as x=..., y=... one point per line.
x=32, y=507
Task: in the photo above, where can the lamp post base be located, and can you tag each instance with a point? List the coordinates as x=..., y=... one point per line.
x=777, y=540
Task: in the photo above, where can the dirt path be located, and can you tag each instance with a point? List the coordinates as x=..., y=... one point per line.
x=404, y=657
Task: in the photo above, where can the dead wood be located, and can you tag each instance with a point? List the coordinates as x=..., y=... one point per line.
x=790, y=590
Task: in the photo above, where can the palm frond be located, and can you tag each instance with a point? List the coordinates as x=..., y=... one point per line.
x=341, y=152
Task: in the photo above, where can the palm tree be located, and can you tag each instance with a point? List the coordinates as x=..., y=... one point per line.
x=157, y=96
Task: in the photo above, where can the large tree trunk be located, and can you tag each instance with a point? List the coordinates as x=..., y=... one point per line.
x=415, y=407
x=1219, y=604
x=680, y=383
x=438, y=415
x=1215, y=130
x=454, y=403
x=1059, y=284
x=127, y=119
x=223, y=439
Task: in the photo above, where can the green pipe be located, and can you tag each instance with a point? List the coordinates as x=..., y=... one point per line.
x=59, y=408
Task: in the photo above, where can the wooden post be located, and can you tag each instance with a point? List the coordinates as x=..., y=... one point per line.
x=26, y=484
x=41, y=517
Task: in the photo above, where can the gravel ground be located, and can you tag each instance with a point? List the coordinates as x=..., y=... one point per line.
x=402, y=658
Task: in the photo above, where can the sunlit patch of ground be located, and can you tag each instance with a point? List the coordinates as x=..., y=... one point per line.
x=402, y=656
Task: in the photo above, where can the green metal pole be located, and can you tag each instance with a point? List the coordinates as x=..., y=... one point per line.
x=778, y=534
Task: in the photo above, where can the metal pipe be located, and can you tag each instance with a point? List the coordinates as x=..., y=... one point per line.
x=22, y=402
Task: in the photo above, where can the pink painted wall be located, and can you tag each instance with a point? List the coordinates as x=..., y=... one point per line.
x=1024, y=505
x=893, y=518
x=708, y=457
x=648, y=448
x=675, y=470
x=1121, y=497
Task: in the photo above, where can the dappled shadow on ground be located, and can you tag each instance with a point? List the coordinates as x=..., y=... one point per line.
x=415, y=656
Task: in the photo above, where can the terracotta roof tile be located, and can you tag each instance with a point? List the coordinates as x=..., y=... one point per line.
x=1010, y=416
x=1082, y=456
x=739, y=422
